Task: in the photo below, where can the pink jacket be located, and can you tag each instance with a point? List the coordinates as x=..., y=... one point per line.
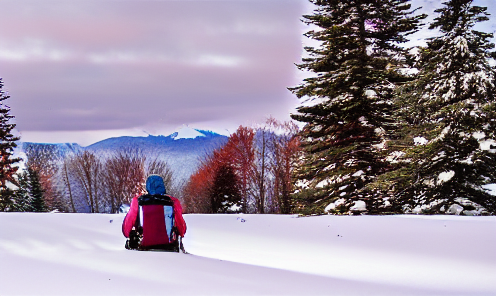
x=154, y=226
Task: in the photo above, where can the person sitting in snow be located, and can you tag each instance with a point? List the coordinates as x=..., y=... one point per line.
x=154, y=220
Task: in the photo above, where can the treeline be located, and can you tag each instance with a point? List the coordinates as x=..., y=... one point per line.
x=251, y=173
x=82, y=181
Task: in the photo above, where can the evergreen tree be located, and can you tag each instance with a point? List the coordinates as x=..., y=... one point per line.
x=7, y=145
x=36, y=192
x=22, y=197
x=225, y=196
x=452, y=106
x=348, y=114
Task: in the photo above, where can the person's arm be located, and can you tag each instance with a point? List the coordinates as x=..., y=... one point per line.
x=130, y=219
x=178, y=217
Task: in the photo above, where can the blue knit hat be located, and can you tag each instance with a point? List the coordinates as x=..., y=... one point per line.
x=155, y=185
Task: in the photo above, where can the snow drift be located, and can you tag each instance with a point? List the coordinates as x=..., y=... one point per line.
x=83, y=254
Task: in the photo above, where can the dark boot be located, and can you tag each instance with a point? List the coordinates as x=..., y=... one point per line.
x=134, y=240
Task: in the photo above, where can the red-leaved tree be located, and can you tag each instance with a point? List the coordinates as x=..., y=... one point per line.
x=262, y=161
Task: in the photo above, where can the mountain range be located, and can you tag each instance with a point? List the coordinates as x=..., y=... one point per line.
x=182, y=150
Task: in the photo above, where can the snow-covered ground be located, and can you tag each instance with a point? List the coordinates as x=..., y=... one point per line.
x=83, y=254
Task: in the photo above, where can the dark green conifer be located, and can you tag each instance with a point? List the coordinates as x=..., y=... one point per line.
x=348, y=112
x=225, y=196
x=36, y=192
x=452, y=105
x=7, y=145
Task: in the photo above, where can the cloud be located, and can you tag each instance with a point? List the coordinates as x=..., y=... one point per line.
x=86, y=65
x=31, y=49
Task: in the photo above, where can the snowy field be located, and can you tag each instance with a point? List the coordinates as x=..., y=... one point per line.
x=83, y=254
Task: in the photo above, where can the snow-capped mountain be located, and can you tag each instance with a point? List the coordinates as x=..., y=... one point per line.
x=187, y=133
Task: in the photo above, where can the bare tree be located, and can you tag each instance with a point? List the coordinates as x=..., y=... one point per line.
x=124, y=176
x=87, y=168
x=261, y=168
x=64, y=175
x=126, y=172
x=286, y=148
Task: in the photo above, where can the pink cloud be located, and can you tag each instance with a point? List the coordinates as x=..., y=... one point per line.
x=90, y=65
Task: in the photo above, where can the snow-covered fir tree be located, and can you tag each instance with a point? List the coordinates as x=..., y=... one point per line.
x=348, y=112
x=29, y=195
x=452, y=107
x=7, y=145
x=22, y=196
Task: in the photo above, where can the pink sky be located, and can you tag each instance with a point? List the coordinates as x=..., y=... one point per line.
x=84, y=70
x=78, y=69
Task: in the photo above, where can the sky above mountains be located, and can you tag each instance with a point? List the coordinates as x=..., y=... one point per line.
x=84, y=70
